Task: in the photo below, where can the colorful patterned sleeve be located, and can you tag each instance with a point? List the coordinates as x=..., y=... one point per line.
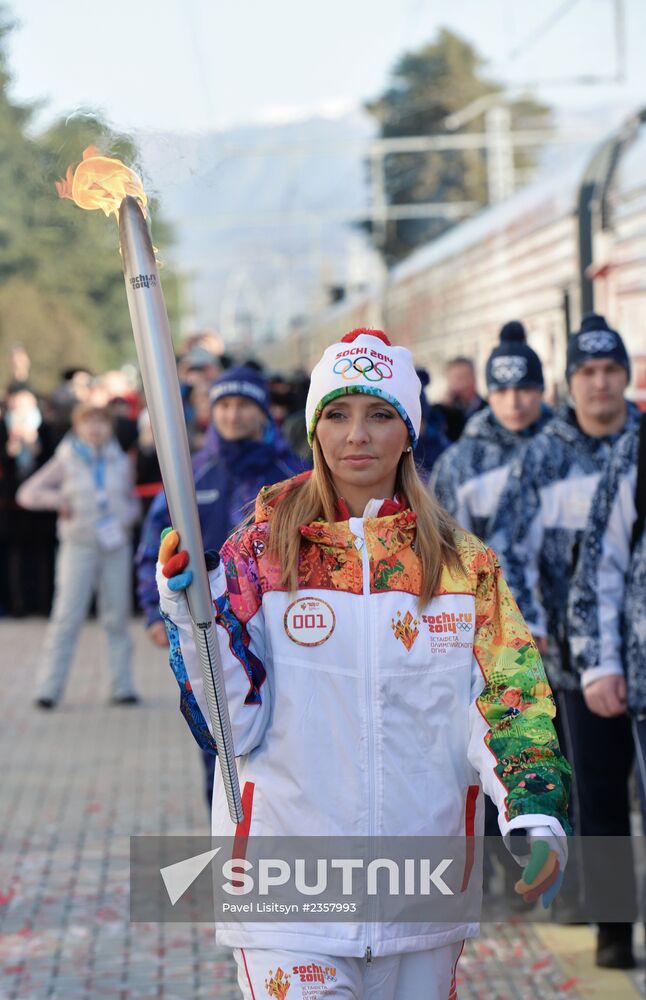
x=513, y=744
x=240, y=632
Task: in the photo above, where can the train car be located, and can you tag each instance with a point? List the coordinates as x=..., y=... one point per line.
x=618, y=262
x=516, y=261
x=572, y=242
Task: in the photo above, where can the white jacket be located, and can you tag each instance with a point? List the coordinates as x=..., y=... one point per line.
x=355, y=715
x=66, y=479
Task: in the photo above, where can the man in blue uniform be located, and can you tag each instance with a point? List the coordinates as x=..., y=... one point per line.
x=539, y=523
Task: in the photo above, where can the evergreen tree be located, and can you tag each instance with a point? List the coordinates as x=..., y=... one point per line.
x=426, y=86
x=61, y=283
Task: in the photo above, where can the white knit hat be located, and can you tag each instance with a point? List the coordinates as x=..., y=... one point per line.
x=365, y=361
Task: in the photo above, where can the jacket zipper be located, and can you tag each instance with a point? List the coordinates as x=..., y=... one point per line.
x=360, y=543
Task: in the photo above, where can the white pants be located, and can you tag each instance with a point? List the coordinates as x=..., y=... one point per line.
x=80, y=571
x=415, y=975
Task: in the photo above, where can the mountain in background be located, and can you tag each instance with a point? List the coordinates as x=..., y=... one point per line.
x=263, y=214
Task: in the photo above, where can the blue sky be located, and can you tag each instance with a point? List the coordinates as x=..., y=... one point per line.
x=196, y=65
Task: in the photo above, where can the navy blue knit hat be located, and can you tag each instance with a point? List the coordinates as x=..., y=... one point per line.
x=595, y=340
x=241, y=381
x=513, y=364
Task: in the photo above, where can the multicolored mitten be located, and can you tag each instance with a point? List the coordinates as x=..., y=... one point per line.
x=542, y=875
x=174, y=561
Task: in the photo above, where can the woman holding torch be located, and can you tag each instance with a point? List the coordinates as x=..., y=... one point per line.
x=338, y=607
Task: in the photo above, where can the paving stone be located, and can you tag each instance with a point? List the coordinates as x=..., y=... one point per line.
x=79, y=781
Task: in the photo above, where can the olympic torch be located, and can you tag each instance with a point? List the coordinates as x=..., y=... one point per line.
x=106, y=183
x=161, y=388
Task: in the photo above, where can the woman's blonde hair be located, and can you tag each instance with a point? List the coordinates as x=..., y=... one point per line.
x=315, y=498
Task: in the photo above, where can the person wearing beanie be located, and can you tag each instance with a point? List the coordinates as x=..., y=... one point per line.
x=243, y=384
x=242, y=452
x=540, y=520
x=513, y=364
x=608, y=597
x=595, y=341
x=358, y=706
x=470, y=476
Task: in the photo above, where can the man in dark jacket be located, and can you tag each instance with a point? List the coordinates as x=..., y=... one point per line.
x=242, y=453
x=470, y=476
x=607, y=624
x=433, y=438
x=539, y=524
x=461, y=399
x=607, y=645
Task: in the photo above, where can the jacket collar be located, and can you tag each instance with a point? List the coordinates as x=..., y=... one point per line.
x=394, y=521
x=374, y=508
x=70, y=445
x=565, y=426
x=396, y=531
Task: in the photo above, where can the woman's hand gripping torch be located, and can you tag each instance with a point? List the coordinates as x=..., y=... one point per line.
x=161, y=387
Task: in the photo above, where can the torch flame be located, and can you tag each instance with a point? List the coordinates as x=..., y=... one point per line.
x=101, y=182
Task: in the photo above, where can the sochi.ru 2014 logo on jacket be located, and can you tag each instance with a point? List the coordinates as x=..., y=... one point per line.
x=318, y=978
x=449, y=631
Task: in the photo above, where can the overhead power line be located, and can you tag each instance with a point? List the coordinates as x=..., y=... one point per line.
x=584, y=78
x=189, y=15
x=543, y=28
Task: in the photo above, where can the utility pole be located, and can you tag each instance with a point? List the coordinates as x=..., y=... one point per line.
x=500, y=153
x=379, y=207
x=620, y=40
x=499, y=141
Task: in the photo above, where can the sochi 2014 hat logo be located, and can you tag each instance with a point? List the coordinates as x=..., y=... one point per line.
x=352, y=368
x=309, y=621
x=597, y=342
x=508, y=369
x=357, y=362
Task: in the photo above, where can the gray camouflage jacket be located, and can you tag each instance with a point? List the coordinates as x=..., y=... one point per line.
x=539, y=523
x=607, y=605
x=469, y=477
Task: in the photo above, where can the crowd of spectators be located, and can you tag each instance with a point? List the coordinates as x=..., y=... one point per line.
x=33, y=424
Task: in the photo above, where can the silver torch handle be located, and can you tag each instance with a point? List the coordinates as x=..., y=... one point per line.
x=161, y=387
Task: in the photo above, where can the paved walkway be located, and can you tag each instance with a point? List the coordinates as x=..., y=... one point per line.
x=78, y=782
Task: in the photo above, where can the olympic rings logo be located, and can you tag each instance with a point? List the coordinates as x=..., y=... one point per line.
x=351, y=368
